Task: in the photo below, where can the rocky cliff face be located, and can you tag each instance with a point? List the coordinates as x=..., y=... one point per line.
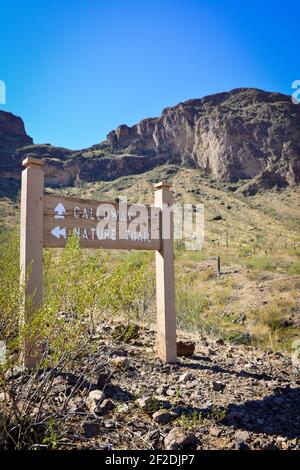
x=242, y=134
x=233, y=136
x=12, y=136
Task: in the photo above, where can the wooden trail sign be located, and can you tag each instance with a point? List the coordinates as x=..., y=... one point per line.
x=100, y=224
x=48, y=221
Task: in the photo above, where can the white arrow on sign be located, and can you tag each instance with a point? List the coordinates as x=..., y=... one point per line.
x=60, y=211
x=59, y=232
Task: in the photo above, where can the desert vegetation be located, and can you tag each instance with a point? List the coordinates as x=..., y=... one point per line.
x=96, y=302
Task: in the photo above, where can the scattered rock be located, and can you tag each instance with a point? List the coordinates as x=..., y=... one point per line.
x=115, y=392
x=219, y=341
x=147, y=404
x=138, y=344
x=119, y=352
x=103, y=380
x=262, y=405
x=163, y=417
x=240, y=445
x=217, y=217
x=151, y=404
x=242, y=436
x=185, y=348
x=94, y=399
x=71, y=407
x=106, y=407
x=215, y=431
x=186, y=376
x=91, y=429
x=120, y=362
x=109, y=424
x=217, y=386
x=4, y=399
x=191, y=384
x=161, y=390
x=177, y=438
x=211, y=352
x=153, y=436
x=171, y=444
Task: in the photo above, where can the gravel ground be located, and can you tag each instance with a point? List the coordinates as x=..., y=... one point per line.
x=221, y=397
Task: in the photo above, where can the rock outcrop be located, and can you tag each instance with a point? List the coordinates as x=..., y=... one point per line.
x=238, y=135
x=233, y=136
x=12, y=136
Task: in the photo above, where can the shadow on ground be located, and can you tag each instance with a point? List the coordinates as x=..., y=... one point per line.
x=222, y=370
x=277, y=414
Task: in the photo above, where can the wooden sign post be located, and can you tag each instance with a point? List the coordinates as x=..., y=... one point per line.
x=48, y=221
x=31, y=249
x=165, y=282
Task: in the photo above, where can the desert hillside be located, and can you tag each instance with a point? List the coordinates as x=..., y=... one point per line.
x=100, y=386
x=256, y=299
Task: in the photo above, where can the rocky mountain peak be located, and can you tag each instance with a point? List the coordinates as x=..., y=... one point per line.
x=233, y=135
x=12, y=136
x=243, y=134
x=12, y=131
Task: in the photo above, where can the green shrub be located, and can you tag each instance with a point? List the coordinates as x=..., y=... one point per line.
x=244, y=251
x=81, y=287
x=82, y=290
x=294, y=268
x=190, y=305
x=9, y=286
x=130, y=286
x=260, y=263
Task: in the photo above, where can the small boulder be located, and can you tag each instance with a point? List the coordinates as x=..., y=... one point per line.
x=91, y=429
x=186, y=376
x=151, y=404
x=147, y=404
x=106, y=407
x=217, y=386
x=215, y=431
x=177, y=438
x=120, y=362
x=185, y=348
x=153, y=435
x=240, y=445
x=94, y=399
x=242, y=436
x=217, y=217
x=103, y=380
x=162, y=389
x=163, y=416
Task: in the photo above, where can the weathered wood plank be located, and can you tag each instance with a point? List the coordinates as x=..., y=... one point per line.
x=100, y=224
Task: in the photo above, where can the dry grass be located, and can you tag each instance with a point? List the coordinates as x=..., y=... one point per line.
x=258, y=240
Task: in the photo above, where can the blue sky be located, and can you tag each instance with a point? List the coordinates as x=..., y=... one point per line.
x=74, y=70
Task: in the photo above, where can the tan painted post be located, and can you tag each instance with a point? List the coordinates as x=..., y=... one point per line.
x=165, y=283
x=31, y=248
